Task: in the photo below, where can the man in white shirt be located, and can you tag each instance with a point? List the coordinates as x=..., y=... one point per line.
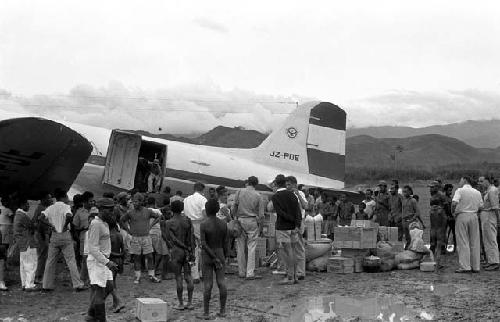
x=466, y=203
x=58, y=216
x=369, y=202
x=194, y=209
x=98, y=263
x=489, y=221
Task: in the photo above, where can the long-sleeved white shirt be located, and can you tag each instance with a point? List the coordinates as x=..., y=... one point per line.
x=99, y=244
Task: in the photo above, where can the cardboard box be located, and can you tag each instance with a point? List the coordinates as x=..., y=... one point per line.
x=347, y=244
x=363, y=223
x=355, y=253
x=355, y=233
x=393, y=233
x=261, y=247
x=340, y=265
x=151, y=310
x=341, y=233
x=269, y=229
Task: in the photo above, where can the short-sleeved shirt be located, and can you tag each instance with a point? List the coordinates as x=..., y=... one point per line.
x=194, y=206
x=395, y=204
x=81, y=220
x=56, y=215
x=249, y=203
x=410, y=207
x=139, y=221
x=468, y=200
x=491, y=201
x=370, y=206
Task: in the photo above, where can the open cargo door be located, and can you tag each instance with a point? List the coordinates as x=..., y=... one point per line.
x=121, y=159
x=150, y=151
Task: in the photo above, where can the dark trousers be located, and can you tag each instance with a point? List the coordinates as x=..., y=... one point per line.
x=451, y=229
x=97, y=307
x=438, y=232
x=406, y=231
x=42, y=252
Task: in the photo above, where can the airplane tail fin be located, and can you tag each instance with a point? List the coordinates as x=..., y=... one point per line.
x=310, y=142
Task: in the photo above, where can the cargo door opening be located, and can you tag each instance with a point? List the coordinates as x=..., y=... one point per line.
x=130, y=160
x=150, y=167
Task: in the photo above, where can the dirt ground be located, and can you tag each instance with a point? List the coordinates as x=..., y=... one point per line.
x=442, y=296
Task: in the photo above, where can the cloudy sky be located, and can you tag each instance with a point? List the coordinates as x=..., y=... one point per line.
x=183, y=65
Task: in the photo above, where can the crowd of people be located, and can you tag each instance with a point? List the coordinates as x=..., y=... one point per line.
x=193, y=237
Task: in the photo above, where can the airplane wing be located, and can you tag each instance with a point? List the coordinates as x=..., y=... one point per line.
x=38, y=155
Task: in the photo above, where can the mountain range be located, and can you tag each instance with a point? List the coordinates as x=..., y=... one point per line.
x=424, y=151
x=479, y=134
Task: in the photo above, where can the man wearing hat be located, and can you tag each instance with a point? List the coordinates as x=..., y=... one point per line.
x=382, y=208
x=438, y=220
x=98, y=263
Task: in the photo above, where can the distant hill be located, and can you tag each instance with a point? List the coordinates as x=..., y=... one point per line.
x=479, y=134
x=424, y=151
x=421, y=151
x=220, y=136
x=227, y=137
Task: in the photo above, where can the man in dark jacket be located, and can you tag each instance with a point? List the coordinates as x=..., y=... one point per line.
x=286, y=206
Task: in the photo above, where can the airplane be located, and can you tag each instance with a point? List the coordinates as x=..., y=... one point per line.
x=39, y=155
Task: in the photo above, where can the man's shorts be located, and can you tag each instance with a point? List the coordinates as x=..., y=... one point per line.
x=141, y=245
x=286, y=236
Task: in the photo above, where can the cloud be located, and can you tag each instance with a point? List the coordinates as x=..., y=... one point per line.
x=420, y=108
x=185, y=109
x=211, y=25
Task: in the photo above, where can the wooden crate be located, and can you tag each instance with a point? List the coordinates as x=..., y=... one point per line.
x=363, y=224
x=393, y=234
x=341, y=265
x=269, y=229
x=151, y=310
x=261, y=248
x=341, y=233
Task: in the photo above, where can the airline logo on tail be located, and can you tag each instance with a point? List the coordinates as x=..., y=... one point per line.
x=311, y=141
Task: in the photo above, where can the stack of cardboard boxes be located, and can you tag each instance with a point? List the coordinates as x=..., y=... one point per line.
x=341, y=265
x=269, y=231
x=355, y=237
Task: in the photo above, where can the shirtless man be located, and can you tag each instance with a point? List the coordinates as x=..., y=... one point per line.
x=214, y=243
x=137, y=223
x=178, y=234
